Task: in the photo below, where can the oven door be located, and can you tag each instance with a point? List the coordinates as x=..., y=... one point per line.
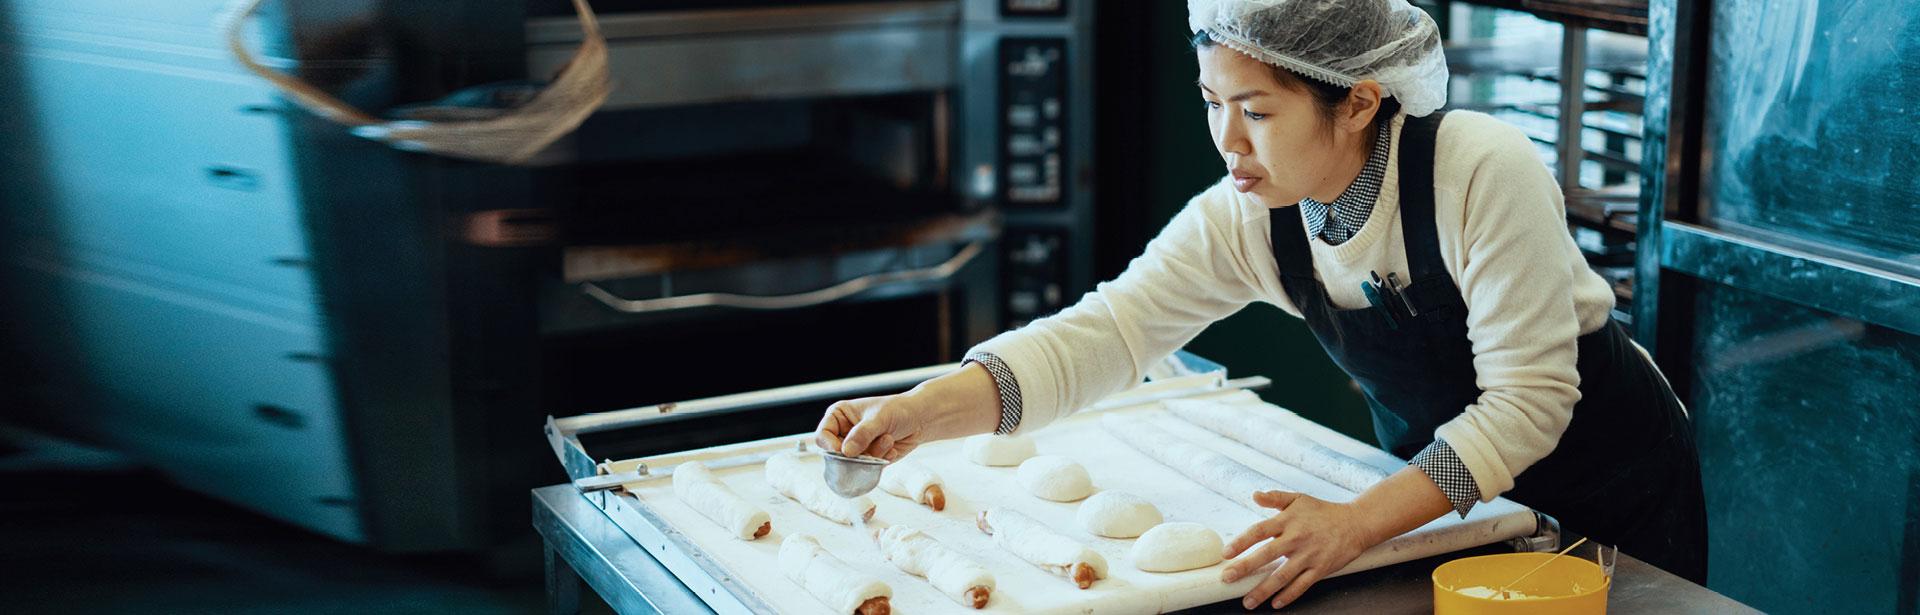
x=617, y=335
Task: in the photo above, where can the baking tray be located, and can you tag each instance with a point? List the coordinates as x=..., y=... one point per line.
x=735, y=576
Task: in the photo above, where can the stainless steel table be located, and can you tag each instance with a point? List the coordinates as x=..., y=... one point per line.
x=583, y=545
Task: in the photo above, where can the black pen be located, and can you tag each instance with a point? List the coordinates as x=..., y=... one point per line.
x=1388, y=294
x=1373, y=298
x=1393, y=282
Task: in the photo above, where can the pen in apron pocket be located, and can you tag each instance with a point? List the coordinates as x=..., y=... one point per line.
x=1373, y=298
x=1393, y=284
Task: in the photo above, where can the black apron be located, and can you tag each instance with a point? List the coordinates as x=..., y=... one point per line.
x=1626, y=471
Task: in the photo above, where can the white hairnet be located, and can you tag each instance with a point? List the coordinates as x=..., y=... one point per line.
x=1336, y=41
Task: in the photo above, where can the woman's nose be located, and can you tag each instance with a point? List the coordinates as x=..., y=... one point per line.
x=1232, y=138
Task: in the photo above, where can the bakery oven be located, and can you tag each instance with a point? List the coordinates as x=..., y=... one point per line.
x=774, y=193
x=802, y=190
x=357, y=338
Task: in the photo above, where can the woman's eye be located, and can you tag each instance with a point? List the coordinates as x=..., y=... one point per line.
x=1255, y=116
x=1210, y=104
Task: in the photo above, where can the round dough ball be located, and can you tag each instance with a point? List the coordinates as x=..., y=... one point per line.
x=1117, y=514
x=1173, y=547
x=1052, y=477
x=992, y=450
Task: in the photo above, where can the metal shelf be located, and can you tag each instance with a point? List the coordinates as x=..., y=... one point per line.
x=1611, y=211
x=1622, y=16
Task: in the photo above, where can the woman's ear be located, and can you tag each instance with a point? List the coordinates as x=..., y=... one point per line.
x=1363, y=102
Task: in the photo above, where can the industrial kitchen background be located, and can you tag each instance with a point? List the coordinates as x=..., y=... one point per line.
x=206, y=278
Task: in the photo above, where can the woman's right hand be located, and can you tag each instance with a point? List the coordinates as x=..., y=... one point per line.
x=888, y=427
x=962, y=403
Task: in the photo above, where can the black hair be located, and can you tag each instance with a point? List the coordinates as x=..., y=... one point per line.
x=1327, y=97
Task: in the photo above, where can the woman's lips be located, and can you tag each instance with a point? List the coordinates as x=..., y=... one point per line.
x=1244, y=184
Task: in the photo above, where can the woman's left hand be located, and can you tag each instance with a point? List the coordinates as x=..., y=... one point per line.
x=1317, y=537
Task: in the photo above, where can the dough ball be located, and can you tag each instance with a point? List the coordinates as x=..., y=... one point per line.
x=1052, y=477
x=1117, y=514
x=992, y=450
x=1173, y=547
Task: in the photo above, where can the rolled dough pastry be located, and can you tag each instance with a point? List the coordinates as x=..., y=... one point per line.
x=696, y=486
x=1117, y=514
x=1271, y=437
x=1212, y=470
x=807, y=484
x=1031, y=540
x=992, y=450
x=915, y=482
x=1173, y=547
x=836, y=584
x=947, y=570
x=1057, y=478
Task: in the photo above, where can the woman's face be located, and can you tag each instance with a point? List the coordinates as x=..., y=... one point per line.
x=1271, y=137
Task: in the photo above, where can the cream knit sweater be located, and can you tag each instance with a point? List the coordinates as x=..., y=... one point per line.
x=1503, y=235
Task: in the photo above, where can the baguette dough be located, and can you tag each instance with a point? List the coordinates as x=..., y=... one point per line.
x=1212, y=470
x=992, y=450
x=836, y=584
x=1173, y=547
x=1117, y=514
x=1031, y=540
x=807, y=484
x=915, y=482
x=696, y=486
x=947, y=570
x=1269, y=436
x=1057, y=478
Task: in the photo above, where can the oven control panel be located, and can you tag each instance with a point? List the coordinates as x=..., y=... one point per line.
x=1033, y=122
x=1033, y=273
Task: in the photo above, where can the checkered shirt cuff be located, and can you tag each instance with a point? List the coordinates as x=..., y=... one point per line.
x=1008, y=386
x=1443, y=465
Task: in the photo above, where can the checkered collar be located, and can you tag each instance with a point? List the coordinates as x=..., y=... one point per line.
x=1339, y=221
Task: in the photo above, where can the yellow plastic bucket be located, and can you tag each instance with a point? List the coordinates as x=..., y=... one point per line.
x=1569, y=585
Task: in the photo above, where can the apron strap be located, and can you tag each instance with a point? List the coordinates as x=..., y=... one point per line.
x=1289, y=237
x=1417, y=136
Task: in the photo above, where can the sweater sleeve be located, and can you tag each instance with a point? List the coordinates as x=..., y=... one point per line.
x=1517, y=280
x=1198, y=270
x=1443, y=467
x=1008, y=387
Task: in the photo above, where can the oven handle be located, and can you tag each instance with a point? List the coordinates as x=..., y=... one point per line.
x=786, y=302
